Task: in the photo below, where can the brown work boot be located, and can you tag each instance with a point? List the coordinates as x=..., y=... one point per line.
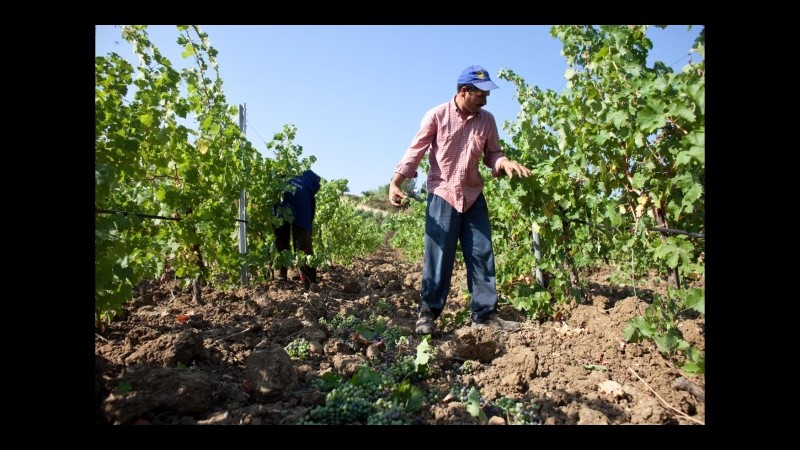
x=425, y=323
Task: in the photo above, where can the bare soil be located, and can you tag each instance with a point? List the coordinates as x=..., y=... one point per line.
x=170, y=361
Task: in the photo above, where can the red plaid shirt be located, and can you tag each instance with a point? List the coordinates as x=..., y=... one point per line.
x=457, y=142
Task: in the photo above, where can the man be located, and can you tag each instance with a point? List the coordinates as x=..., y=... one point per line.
x=458, y=135
x=303, y=205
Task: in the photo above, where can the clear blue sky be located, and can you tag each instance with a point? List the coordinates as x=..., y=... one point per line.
x=357, y=93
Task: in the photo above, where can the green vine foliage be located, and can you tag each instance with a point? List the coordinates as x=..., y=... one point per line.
x=618, y=152
x=343, y=233
x=407, y=229
x=266, y=183
x=660, y=324
x=168, y=144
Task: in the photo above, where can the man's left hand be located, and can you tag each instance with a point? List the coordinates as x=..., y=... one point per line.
x=509, y=167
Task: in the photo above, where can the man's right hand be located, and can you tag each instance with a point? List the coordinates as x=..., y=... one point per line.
x=396, y=195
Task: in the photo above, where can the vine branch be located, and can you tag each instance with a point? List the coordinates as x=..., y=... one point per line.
x=683, y=414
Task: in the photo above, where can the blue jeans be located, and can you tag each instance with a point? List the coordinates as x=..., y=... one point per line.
x=444, y=227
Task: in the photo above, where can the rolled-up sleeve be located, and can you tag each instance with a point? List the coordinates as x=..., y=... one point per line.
x=419, y=145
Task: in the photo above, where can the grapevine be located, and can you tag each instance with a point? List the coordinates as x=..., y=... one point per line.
x=168, y=144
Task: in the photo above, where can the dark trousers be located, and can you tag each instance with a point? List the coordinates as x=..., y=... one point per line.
x=301, y=240
x=444, y=227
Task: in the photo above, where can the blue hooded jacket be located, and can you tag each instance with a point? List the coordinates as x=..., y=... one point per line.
x=303, y=201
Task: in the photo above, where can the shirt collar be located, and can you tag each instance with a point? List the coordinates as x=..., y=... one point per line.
x=464, y=114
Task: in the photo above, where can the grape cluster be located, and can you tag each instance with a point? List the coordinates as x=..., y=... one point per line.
x=433, y=395
x=460, y=392
x=518, y=412
x=341, y=324
x=345, y=404
x=467, y=367
x=403, y=368
x=298, y=348
x=352, y=401
x=390, y=337
x=388, y=413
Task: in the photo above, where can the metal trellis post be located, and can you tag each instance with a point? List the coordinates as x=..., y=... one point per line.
x=242, y=211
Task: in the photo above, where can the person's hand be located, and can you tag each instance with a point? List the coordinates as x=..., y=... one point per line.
x=396, y=195
x=509, y=167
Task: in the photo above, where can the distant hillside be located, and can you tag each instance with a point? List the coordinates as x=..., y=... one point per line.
x=372, y=203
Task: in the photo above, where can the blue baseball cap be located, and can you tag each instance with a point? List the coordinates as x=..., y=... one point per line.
x=477, y=76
